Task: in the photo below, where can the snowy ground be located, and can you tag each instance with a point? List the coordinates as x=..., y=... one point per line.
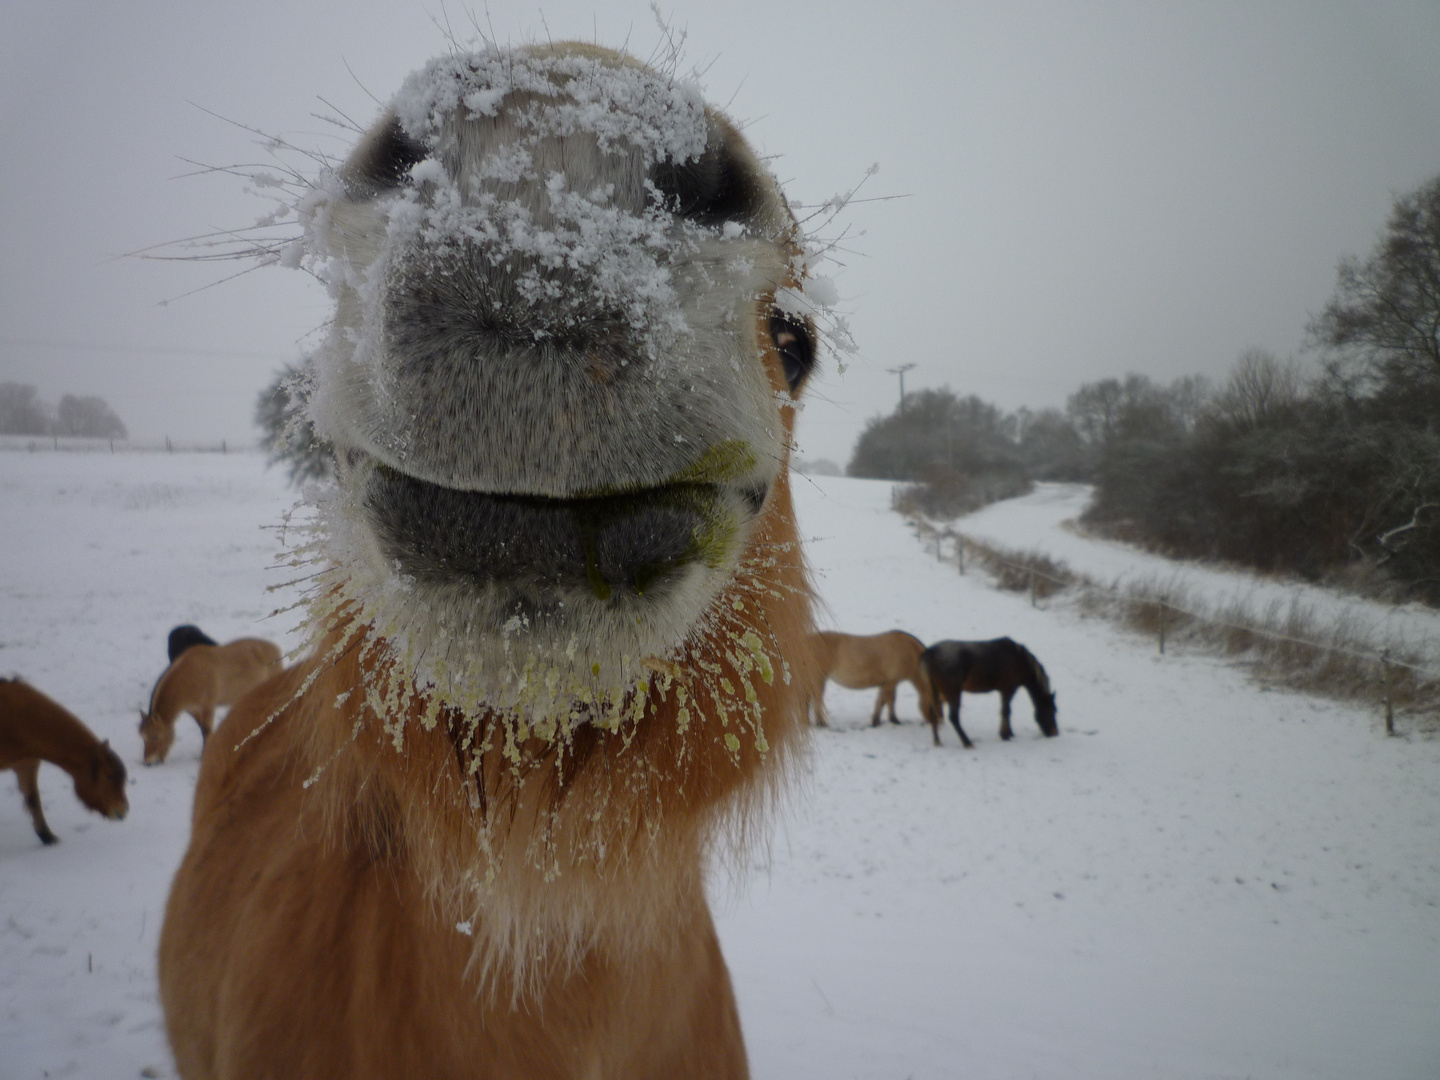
x=1196, y=880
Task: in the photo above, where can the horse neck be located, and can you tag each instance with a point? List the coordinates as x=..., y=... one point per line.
x=58, y=736
x=169, y=695
x=1034, y=681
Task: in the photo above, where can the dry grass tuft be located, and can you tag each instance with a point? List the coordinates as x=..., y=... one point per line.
x=1283, y=644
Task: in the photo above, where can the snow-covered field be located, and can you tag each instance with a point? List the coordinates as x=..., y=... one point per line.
x=1196, y=880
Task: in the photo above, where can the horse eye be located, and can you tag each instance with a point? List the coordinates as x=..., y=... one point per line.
x=383, y=160
x=796, y=348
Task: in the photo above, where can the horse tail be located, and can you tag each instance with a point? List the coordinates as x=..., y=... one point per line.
x=925, y=689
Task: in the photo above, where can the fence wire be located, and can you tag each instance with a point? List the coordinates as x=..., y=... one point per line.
x=1382, y=656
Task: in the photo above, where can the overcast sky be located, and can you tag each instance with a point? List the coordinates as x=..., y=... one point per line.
x=1089, y=188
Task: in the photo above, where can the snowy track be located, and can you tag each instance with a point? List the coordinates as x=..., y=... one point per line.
x=1197, y=879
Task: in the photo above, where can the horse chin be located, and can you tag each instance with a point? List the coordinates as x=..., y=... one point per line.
x=585, y=594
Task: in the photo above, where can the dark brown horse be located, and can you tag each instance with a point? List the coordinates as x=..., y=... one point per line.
x=978, y=667
x=33, y=729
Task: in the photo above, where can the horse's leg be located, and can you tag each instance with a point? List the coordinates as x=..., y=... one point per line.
x=206, y=719
x=1005, y=696
x=27, y=772
x=890, y=700
x=934, y=713
x=955, y=719
x=879, y=707
x=818, y=704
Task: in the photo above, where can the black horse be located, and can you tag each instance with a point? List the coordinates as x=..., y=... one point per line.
x=978, y=667
x=182, y=637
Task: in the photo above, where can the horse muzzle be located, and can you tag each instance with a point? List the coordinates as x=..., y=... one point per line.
x=540, y=552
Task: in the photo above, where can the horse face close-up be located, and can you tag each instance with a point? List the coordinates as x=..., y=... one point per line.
x=562, y=633
x=560, y=378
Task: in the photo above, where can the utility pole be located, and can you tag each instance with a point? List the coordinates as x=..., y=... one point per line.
x=901, y=372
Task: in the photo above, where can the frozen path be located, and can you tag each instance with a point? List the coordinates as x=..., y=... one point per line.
x=1039, y=522
x=1196, y=880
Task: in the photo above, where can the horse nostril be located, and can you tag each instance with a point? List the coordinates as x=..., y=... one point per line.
x=755, y=498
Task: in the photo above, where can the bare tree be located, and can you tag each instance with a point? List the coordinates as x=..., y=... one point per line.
x=1260, y=387
x=1386, y=310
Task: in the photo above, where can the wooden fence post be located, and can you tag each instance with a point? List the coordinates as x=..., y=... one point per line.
x=1160, y=607
x=1385, y=684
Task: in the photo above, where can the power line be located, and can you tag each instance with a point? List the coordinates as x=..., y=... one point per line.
x=152, y=350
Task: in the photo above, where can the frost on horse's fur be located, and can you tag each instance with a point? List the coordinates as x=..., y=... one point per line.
x=672, y=284
x=559, y=615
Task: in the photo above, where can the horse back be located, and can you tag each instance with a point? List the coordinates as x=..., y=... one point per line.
x=980, y=667
x=33, y=725
x=361, y=936
x=242, y=664
x=206, y=676
x=861, y=661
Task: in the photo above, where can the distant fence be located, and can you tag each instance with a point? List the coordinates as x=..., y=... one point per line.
x=35, y=444
x=1345, y=666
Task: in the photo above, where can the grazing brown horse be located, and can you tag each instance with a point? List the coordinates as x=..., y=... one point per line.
x=978, y=667
x=564, y=626
x=182, y=637
x=858, y=662
x=34, y=729
x=203, y=678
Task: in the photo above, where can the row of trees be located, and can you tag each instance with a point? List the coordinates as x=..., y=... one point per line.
x=22, y=412
x=1328, y=471
x=1332, y=474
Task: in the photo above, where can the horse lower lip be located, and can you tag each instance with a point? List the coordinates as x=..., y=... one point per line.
x=632, y=542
